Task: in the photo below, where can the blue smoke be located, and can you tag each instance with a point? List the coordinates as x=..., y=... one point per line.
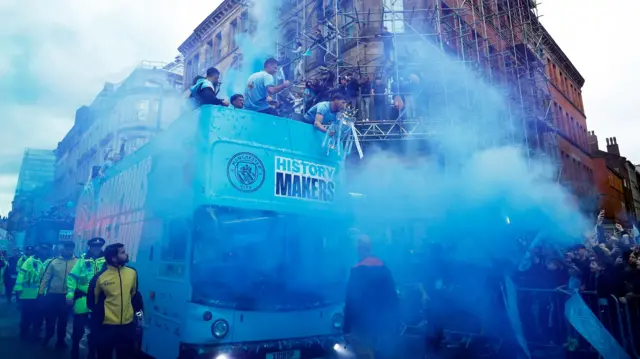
x=256, y=47
x=462, y=222
x=489, y=193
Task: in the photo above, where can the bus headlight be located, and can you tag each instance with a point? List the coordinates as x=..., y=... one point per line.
x=220, y=328
x=337, y=321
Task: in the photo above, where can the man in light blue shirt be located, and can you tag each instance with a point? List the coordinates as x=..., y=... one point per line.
x=326, y=112
x=261, y=88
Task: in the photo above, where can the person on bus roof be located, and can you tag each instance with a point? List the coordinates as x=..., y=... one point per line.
x=261, y=86
x=114, y=301
x=54, y=287
x=371, y=312
x=237, y=101
x=325, y=113
x=205, y=91
x=78, y=280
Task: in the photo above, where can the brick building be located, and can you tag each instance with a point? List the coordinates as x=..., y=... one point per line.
x=609, y=184
x=565, y=84
x=620, y=166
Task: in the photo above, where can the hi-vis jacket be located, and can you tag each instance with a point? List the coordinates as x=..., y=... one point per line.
x=23, y=258
x=54, y=277
x=113, y=296
x=29, y=275
x=78, y=281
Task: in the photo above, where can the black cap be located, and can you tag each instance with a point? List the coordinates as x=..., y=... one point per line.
x=96, y=242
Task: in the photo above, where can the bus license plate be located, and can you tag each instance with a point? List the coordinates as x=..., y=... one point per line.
x=289, y=354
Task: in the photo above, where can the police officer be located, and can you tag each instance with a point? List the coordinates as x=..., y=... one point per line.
x=78, y=280
x=11, y=274
x=26, y=289
x=54, y=287
x=29, y=251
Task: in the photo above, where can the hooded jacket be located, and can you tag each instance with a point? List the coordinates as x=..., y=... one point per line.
x=205, y=93
x=78, y=280
x=54, y=278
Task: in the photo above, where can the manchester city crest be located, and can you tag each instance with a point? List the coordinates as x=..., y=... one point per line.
x=245, y=172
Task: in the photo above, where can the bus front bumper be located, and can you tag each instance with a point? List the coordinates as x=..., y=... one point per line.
x=300, y=348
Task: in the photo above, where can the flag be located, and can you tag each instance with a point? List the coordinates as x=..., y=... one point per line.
x=587, y=324
x=510, y=295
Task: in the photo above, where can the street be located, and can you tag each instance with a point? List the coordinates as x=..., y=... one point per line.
x=12, y=347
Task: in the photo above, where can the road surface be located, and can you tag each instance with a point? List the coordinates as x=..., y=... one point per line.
x=12, y=347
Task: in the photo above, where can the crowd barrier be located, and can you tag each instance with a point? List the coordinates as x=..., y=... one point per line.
x=576, y=324
x=547, y=323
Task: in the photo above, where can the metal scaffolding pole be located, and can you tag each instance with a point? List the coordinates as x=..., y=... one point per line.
x=499, y=41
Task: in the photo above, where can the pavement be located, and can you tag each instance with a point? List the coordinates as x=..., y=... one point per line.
x=12, y=347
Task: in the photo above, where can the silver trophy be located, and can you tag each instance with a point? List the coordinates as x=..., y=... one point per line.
x=341, y=134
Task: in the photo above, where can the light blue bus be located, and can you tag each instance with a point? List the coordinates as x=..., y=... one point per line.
x=234, y=221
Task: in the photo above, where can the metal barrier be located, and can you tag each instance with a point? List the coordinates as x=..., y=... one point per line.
x=631, y=309
x=552, y=323
x=546, y=325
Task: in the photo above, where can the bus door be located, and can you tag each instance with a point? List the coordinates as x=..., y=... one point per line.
x=163, y=265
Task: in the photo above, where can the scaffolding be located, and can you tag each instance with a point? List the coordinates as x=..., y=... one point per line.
x=498, y=41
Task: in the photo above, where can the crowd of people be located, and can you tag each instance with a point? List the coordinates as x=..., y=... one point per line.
x=387, y=98
x=51, y=283
x=606, y=263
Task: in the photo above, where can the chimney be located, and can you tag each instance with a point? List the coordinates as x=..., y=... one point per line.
x=612, y=146
x=593, y=142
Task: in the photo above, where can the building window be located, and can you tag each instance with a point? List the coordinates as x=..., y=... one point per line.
x=197, y=65
x=143, y=110
x=217, y=48
x=208, y=54
x=189, y=72
x=232, y=35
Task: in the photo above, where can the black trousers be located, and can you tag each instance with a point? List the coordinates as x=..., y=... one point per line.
x=30, y=318
x=56, y=315
x=380, y=109
x=80, y=322
x=9, y=283
x=120, y=339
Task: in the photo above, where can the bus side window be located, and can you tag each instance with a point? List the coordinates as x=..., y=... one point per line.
x=175, y=242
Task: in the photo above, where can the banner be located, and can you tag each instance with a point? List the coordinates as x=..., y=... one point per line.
x=65, y=235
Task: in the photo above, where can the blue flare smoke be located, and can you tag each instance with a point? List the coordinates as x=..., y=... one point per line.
x=255, y=47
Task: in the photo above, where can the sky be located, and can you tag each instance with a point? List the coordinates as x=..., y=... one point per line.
x=53, y=62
